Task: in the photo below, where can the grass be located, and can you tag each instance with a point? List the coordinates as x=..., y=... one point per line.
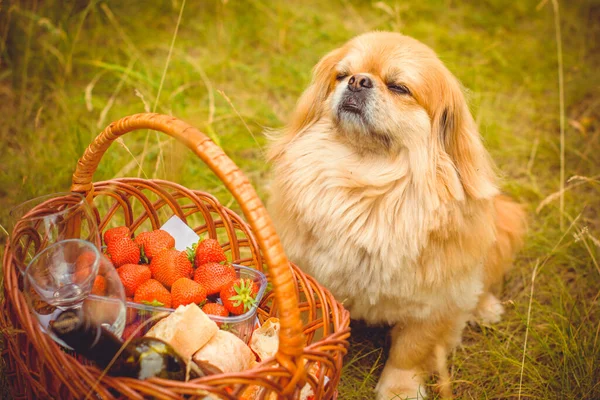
x=67, y=69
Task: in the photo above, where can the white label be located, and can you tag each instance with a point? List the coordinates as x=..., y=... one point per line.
x=184, y=235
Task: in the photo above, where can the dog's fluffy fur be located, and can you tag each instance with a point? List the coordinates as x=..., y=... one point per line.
x=384, y=192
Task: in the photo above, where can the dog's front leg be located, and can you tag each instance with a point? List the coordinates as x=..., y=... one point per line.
x=418, y=347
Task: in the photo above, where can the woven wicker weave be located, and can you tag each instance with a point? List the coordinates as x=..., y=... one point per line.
x=314, y=327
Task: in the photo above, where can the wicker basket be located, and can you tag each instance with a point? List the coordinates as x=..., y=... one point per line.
x=314, y=327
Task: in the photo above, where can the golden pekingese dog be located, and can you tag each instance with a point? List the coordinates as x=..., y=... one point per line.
x=384, y=192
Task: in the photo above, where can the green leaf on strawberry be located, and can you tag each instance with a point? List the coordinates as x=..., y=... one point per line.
x=191, y=252
x=153, y=303
x=143, y=258
x=239, y=296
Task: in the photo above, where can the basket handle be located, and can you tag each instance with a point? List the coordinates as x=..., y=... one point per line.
x=291, y=336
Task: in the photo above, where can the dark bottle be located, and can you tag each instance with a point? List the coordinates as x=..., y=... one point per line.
x=142, y=358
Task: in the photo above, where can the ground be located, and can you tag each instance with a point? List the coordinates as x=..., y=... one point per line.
x=235, y=68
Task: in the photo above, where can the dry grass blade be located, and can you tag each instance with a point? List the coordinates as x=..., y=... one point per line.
x=582, y=235
x=111, y=101
x=118, y=27
x=538, y=267
x=132, y=163
x=579, y=180
x=533, y=276
x=141, y=96
x=162, y=81
x=594, y=240
x=561, y=90
x=209, y=87
x=89, y=88
x=593, y=179
x=243, y=121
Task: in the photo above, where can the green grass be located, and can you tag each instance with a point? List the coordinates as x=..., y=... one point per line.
x=69, y=68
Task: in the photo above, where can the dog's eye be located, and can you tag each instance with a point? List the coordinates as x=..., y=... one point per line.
x=397, y=88
x=341, y=76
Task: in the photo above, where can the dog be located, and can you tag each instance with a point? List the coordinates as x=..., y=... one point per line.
x=383, y=191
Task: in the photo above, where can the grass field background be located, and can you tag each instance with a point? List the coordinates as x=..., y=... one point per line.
x=233, y=68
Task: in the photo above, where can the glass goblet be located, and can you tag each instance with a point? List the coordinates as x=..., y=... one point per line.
x=63, y=273
x=43, y=221
x=72, y=273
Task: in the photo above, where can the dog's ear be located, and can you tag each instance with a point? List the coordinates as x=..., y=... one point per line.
x=459, y=137
x=310, y=104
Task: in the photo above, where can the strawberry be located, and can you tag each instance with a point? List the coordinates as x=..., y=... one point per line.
x=123, y=251
x=153, y=293
x=130, y=330
x=99, y=287
x=83, y=265
x=213, y=276
x=185, y=291
x=152, y=243
x=238, y=296
x=85, y=259
x=215, y=309
x=206, y=251
x=101, y=310
x=170, y=265
x=131, y=313
x=112, y=234
x=132, y=276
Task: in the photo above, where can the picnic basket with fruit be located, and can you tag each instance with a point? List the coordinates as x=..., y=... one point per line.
x=200, y=321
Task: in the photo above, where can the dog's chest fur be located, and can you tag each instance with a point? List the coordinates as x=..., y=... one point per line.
x=366, y=228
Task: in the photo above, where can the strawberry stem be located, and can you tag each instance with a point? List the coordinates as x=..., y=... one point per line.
x=191, y=253
x=153, y=303
x=143, y=257
x=244, y=295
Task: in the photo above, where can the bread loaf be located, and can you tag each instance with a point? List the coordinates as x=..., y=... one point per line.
x=187, y=330
x=265, y=340
x=224, y=353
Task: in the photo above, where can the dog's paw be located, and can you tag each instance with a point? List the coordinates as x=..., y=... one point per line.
x=489, y=310
x=400, y=384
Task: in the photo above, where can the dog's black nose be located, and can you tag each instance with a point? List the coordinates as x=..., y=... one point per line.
x=358, y=82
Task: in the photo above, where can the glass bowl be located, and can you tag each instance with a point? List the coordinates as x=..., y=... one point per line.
x=241, y=325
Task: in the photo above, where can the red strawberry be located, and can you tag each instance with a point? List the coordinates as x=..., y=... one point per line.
x=208, y=250
x=85, y=259
x=84, y=264
x=238, y=296
x=152, y=243
x=130, y=330
x=123, y=251
x=131, y=313
x=170, y=265
x=153, y=293
x=112, y=234
x=101, y=310
x=132, y=276
x=99, y=287
x=213, y=276
x=215, y=309
x=185, y=291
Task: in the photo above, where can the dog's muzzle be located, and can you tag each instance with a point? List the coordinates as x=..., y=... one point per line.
x=356, y=94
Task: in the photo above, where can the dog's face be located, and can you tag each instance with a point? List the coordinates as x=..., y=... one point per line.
x=378, y=92
x=383, y=92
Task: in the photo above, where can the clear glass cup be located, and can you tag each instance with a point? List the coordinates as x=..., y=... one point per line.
x=43, y=221
x=73, y=273
x=63, y=274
